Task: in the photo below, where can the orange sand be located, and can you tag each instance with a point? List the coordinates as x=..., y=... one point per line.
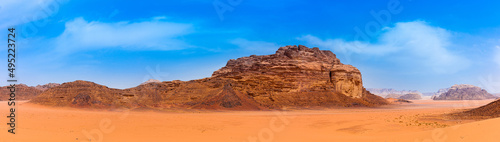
x=416, y=122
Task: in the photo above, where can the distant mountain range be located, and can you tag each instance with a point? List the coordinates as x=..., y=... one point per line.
x=456, y=92
x=464, y=92
x=384, y=92
x=439, y=92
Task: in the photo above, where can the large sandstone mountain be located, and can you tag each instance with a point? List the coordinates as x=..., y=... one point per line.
x=464, y=92
x=295, y=76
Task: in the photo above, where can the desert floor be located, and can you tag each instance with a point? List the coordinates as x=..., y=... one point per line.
x=420, y=121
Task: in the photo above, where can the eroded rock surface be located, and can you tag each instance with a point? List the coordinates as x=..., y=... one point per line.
x=294, y=77
x=296, y=69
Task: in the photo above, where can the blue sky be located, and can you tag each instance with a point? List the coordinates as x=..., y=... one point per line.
x=401, y=44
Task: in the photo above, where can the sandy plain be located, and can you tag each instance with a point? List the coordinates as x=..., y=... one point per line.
x=421, y=121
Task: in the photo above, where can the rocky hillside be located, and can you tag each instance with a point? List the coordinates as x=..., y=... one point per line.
x=295, y=76
x=464, y=92
x=411, y=96
x=47, y=86
x=490, y=110
x=24, y=92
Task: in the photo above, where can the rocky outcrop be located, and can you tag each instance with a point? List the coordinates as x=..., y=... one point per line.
x=295, y=76
x=47, y=86
x=491, y=110
x=23, y=92
x=296, y=69
x=151, y=81
x=411, y=96
x=228, y=99
x=464, y=92
x=79, y=94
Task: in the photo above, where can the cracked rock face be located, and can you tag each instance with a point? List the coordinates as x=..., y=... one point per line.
x=297, y=69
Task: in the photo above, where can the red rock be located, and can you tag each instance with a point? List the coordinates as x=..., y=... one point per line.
x=298, y=77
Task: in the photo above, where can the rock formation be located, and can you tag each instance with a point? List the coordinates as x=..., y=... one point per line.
x=296, y=69
x=23, y=92
x=47, y=86
x=465, y=92
x=79, y=93
x=490, y=110
x=151, y=81
x=295, y=76
x=228, y=99
x=411, y=96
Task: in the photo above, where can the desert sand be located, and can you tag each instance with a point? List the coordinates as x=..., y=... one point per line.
x=420, y=121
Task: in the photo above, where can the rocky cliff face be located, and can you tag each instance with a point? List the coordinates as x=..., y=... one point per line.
x=296, y=69
x=464, y=92
x=296, y=76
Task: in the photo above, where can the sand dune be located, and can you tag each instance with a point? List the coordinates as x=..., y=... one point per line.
x=416, y=122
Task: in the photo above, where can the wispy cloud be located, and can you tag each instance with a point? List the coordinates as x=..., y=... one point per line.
x=415, y=44
x=154, y=34
x=258, y=47
x=16, y=12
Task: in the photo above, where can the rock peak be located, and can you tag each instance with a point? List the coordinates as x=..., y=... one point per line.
x=151, y=81
x=297, y=65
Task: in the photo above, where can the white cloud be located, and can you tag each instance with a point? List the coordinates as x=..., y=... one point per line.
x=154, y=34
x=414, y=44
x=258, y=47
x=16, y=12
